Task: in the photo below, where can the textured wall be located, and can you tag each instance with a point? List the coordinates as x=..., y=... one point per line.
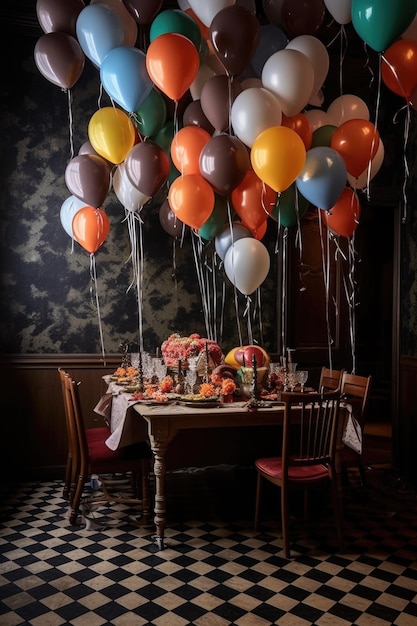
x=47, y=300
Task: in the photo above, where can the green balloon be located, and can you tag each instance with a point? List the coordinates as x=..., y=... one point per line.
x=177, y=22
x=285, y=209
x=322, y=136
x=152, y=114
x=164, y=137
x=217, y=220
x=380, y=22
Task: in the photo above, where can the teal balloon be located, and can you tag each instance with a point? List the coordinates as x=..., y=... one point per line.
x=285, y=210
x=152, y=114
x=178, y=22
x=381, y=22
x=322, y=136
x=217, y=220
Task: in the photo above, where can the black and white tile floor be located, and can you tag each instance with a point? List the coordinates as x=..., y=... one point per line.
x=211, y=573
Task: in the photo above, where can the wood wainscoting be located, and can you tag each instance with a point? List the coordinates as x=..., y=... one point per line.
x=405, y=426
x=33, y=442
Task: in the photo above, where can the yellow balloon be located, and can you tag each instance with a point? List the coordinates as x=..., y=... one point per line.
x=277, y=156
x=112, y=134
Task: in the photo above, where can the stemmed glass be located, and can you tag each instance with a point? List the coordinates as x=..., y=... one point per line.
x=302, y=376
x=159, y=368
x=191, y=375
x=292, y=375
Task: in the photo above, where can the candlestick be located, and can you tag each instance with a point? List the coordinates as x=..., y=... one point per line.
x=207, y=363
x=140, y=372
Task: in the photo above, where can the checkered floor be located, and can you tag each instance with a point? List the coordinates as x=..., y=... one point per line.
x=211, y=573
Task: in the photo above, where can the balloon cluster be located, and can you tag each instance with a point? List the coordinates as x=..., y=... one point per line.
x=252, y=144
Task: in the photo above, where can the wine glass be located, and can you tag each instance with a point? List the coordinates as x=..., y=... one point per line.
x=302, y=376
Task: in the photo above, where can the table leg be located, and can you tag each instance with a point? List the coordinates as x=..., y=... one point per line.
x=158, y=450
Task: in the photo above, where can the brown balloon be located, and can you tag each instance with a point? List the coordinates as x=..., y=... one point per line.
x=59, y=58
x=56, y=16
x=300, y=17
x=194, y=116
x=144, y=11
x=170, y=222
x=87, y=176
x=224, y=161
x=217, y=96
x=147, y=167
x=234, y=33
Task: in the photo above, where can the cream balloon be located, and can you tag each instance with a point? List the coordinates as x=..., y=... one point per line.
x=340, y=10
x=362, y=181
x=316, y=51
x=289, y=74
x=318, y=118
x=253, y=111
x=247, y=264
x=128, y=195
x=348, y=107
x=205, y=11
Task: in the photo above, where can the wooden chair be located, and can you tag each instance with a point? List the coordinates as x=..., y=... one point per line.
x=330, y=379
x=307, y=456
x=88, y=454
x=355, y=391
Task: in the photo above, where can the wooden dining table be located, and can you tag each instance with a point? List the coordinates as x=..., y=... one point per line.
x=161, y=423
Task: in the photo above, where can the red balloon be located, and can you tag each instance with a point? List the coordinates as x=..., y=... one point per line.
x=253, y=200
x=224, y=162
x=172, y=62
x=90, y=227
x=234, y=33
x=343, y=217
x=357, y=143
x=399, y=67
x=59, y=58
x=192, y=199
x=301, y=125
x=147, y=167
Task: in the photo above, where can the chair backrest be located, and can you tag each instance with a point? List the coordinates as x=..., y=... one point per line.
x=310, y=428
x=356, y=390
x=330, y=379
x=72, y=434
x=76, y=423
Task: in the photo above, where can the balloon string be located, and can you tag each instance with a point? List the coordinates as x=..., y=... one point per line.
x=261, y=328
x=284, y=291
x=93, y=287
x=200, y=279
x=70, y=123
x=325, y=256
x=350, y=291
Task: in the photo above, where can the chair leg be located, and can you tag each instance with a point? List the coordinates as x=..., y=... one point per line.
x=338, y=513
x=258, y=501
x=67, y=480
x=285, y=522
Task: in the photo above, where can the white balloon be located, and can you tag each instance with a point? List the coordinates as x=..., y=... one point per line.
x=316, y=51
x=363, y=179
x=348, y=107
x=131, y=198
x=253, y=111
x=289, y=74
x=247, y=264
x=184, y=5
x=207, y=9
x=317, y=118
x=69, y=208
x=340, y=10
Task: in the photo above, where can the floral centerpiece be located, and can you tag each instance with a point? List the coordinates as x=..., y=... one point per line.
x=177, y=348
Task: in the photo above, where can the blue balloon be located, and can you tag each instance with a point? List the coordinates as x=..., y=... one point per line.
x=125, y=77
x=271, y=39
x=323, y=177
x=99, y=29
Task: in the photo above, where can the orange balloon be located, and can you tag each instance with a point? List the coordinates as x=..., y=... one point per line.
x=300, y=123
x=90, y=227
x=192, y=199
x=399, y=67
x=186, y=147
x=253, y=200
x=343, y=217
x=357, y=143
x=172, y=62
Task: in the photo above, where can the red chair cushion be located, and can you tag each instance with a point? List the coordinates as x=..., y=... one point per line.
x=273, y=467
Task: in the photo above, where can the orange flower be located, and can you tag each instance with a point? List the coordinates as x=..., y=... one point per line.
x=207, y=390
x=228, y=386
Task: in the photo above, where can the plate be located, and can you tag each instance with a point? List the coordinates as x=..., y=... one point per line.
x=201, y=404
